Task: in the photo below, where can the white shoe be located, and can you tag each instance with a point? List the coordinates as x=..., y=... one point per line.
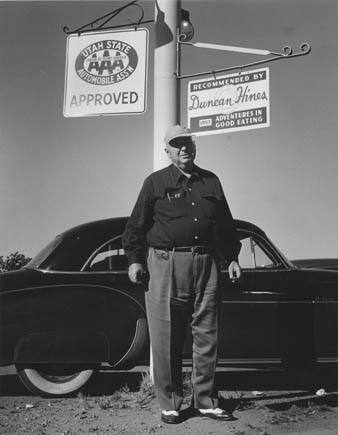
x=170, y=412
x=215, y=413
x=170, y=416
x=211, y=411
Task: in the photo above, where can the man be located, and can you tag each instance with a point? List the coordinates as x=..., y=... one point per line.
x=180, y=227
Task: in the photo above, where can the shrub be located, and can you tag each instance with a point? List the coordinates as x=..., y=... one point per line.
x=13, y=261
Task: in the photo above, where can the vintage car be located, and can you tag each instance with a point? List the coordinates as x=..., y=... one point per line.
x=73, y=309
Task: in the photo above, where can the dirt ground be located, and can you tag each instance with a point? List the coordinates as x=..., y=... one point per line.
x=263, y=403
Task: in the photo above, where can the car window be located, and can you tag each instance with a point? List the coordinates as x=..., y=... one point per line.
x=110, y=257
x=252, y=256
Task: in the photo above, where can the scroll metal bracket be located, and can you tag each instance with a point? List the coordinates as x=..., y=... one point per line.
x=101, y=22
x=287, y=53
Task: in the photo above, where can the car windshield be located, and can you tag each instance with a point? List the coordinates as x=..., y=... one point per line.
x=44, y=253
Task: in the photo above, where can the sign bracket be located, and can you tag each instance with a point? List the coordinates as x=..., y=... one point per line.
x=100, y=23
x=287, y=53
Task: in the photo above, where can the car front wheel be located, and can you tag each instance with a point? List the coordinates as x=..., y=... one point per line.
x=54, y=380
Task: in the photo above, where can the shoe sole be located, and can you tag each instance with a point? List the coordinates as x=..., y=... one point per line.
x=216, y=417
x=168, y=420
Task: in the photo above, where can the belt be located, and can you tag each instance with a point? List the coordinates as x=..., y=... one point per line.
x=192, y=249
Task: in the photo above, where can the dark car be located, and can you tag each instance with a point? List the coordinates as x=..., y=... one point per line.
x=73, y=308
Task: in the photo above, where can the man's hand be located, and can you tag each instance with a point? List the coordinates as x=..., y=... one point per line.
x=235, y=271
x=136, y=273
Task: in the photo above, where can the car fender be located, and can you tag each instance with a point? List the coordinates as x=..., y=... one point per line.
x=137, y=347
x=75, y=346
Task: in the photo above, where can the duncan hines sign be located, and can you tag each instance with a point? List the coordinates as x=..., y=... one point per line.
x=106, y=73
x=229, y=103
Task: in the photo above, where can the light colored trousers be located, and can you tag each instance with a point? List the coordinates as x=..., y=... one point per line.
x=183, y=287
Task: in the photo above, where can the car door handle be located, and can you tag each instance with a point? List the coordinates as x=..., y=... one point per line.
x=324, y=299
x=263, y=293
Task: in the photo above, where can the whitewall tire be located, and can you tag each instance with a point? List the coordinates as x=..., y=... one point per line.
x=53, y=381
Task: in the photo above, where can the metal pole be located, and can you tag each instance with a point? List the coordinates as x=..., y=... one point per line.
x=167, y=95
x=166, y=85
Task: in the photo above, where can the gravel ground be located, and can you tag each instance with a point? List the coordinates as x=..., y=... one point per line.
x=114, y=403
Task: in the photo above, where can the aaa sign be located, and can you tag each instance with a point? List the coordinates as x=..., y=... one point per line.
x=106, y=73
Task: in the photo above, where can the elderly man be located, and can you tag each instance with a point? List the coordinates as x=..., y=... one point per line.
x=180, y=229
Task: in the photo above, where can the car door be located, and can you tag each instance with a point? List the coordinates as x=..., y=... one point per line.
x=250, y=330
x=126, y=326
x=267, y=317
x=325, y=306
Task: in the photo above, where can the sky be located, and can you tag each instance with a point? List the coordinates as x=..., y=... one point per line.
x=58, y=172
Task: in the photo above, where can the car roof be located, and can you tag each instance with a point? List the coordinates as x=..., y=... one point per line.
x=74, y=246
x=115, y=226
x=248, y=226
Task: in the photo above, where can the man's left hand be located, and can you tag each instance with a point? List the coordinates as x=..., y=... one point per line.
x=235, y=271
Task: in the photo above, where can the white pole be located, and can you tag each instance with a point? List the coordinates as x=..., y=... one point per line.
x=166, y=85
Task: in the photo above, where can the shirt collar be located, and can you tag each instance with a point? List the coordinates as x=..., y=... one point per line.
x=178, y=175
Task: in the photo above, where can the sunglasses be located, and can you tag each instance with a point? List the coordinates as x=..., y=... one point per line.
x=180, y=142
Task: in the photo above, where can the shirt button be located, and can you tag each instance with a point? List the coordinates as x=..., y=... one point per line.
x=195, y=219
x=192, y=203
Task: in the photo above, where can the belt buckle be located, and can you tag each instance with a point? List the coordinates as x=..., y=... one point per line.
x=198, y=250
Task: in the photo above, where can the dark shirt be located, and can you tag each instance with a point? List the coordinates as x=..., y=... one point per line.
x=173, y=210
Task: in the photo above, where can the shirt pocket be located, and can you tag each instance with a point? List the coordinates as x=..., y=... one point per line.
x=172, y=204
x=210, y=204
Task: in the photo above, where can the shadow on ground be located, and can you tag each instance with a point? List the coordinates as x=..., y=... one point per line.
x=107, y=382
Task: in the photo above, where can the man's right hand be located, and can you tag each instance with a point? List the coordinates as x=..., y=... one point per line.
x=136, y=273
